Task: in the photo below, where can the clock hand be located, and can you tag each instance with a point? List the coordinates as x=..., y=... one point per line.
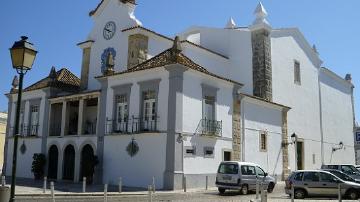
x=107, y=30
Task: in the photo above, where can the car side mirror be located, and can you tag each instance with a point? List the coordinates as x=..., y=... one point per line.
x=266, y=174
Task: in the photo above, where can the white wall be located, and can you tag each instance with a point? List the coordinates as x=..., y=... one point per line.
x=192, y=102
x=136, y=171
x=258, y=118
x=337, y=118
x=24, y=161
x=198, y=164
x=304, y=116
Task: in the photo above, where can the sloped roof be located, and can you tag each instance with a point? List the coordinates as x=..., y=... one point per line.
x=168, y=57
x=91, y=13
x=64, y=80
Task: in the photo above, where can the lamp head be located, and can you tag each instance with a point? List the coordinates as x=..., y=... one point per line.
x=23, y=54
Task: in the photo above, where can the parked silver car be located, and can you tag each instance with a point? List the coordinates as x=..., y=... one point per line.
x=319, y=183
x=342, y=175
x=242, y=176
x=345, y=168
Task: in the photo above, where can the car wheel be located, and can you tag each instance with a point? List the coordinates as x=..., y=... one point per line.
x=270, y=188
x=299, y=194
x=352, y=194
x=244, y=190
x=221, y=190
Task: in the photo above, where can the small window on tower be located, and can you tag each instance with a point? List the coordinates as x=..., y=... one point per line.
x=297, y=73
x=263, y=141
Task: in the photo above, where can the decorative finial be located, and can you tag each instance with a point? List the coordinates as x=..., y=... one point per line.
x=109, y=64
x=15, y=82
x=176, y=48
x=230, y=24
x=261, y=15
x=128, y=1
x=348, y=78
x=52, y=74
x=315, y=49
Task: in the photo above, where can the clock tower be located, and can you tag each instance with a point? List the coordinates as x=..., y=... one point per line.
x=110, y=18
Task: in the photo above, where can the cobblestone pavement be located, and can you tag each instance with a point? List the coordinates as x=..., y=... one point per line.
x=30, y=191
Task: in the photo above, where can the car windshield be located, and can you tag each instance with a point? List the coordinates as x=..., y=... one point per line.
x=228, y=168
x=342, y=175
x=350, y=170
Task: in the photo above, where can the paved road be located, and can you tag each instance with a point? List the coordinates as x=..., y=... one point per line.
x=200, y=196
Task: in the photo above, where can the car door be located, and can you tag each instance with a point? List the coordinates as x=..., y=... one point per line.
x=261, y=176
x=329, y=184
x=311, y=182
x=248, y=176
x=228, y=173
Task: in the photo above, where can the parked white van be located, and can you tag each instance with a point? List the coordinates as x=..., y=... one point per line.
x=242, y=176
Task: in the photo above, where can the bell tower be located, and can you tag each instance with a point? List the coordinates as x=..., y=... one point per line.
x=261, y=47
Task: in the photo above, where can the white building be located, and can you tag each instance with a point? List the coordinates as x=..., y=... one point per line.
x=148, y=105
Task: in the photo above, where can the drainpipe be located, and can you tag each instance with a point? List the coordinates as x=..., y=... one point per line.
x=321, y=119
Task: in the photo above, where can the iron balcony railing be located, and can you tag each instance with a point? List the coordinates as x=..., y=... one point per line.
x=132, y=125
x=210, y=127
x=26, y=131
x=89, y=128
x=55, y=129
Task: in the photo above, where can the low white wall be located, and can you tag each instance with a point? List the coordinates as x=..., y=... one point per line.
x=259, y=118
x=24, y=161
x=136, y=171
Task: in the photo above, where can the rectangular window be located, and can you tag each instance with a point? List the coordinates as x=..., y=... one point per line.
x=208, y=152
x=209, y=108
x=248, y=170
x=190, y=151
x=34, y=119
x=121, y=113
x=227, y=168
x=263, y=142
x=297, y=73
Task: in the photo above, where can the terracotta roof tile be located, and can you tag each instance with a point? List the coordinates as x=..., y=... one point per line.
x=64, y=80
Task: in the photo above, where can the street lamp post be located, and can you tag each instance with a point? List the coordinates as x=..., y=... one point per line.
x=294, y=139
x=22, y=56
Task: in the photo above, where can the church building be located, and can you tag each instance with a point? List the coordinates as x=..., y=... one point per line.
x=148, y=105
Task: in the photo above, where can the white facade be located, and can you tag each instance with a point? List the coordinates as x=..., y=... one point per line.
x=164, y=130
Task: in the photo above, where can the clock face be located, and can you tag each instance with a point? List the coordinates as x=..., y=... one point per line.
x=109, y=30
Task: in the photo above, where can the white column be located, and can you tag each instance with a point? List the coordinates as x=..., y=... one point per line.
x=77, y=166
x=60, y=164
x=63, y=118
x=26, y=114
x=81, y=115
x=98, y=115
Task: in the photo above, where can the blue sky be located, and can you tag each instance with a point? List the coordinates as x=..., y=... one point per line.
x=56, y=26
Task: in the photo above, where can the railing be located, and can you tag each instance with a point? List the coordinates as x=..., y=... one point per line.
x=89, y=128
x=210, y=127
x=55, y=129
x=26, y=131
x=132, y=125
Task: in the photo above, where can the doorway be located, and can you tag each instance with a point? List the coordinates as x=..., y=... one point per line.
x=87, y=163
x=300, y=153
x=69, y=163
x=227, y=156
x=53, y=162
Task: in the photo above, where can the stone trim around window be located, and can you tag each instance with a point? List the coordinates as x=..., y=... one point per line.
x=209, y=152
x=124, y=89
x=209, y=91
x=150, y=85
x=263, y=141
x=189, y=151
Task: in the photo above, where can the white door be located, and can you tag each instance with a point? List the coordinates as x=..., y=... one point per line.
x=34, y=120
x=121, y=116
x=149, y=114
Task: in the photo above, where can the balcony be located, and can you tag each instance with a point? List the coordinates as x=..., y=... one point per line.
x=27, y=131
x=210, y=127
x=132, y=125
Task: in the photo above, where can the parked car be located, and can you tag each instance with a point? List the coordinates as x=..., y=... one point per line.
x=345, y=168
x=319, y=183
x=357, y=167
x=234, y=175
x=342, y=175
